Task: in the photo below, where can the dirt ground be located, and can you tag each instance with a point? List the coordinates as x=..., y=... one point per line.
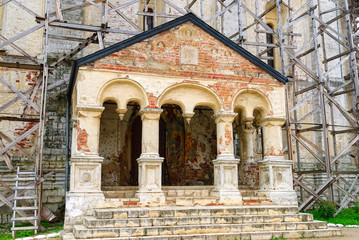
x=348, y=234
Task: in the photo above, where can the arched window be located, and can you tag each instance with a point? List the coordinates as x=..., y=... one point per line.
x=270, y=52
x=148, y=20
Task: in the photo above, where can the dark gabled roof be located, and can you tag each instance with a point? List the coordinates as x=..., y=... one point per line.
x=189, y=17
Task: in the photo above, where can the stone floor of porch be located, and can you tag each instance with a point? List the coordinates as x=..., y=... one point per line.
x=125, y=196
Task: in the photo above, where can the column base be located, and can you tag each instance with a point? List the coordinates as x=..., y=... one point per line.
x=229, y=197
x=276, y=180
x=151, y=197
x=288, y=198
x=150, y=178
x=79, y=205
x=226, y=180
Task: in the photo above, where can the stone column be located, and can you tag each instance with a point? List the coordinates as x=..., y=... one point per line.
x=150, y=162
x=85, y=175
x=248, y=168
x=275, y=172
x=226, y=165
x=247, y=149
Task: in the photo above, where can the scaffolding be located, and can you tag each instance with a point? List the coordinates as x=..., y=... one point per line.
x=314, y=132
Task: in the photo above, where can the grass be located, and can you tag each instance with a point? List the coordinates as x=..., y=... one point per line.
x=5, y=231
x=349, y=216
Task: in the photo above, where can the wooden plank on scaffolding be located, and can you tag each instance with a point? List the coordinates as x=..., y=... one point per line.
x=74, y=51
x=20, y=50
x=125, y=18
x=100, y=40
x=9, y=204
x=14, y=100
x=89, y=28
x=232, y=4
x=306, y=188
x=21, y=66
x=21, y=35
x=58, y=10
x=22, y=96
x=27, y=108
x=318, y=192
x=24, y=135
x=123, y=5
x=9, y=189
x=26, y=8
x=310, y=143
x=8, y=139
x=6, y=157
x=4, y=2
x=351, y=119
x=308, y=149
x=345, y=199
x=180, y=10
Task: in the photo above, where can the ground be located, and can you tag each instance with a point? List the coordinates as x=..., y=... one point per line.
x=348, y=234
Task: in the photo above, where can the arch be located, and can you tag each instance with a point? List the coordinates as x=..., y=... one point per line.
x=123, y=91
x=249, y=100
x=188, y=96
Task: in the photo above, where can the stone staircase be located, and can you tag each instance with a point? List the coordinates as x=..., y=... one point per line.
x=179, y=196
x=195, y=214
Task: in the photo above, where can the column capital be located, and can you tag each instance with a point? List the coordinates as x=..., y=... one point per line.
x=90, y=111
x=150, y=113
x=272, y=120
x=247, y=125
x=223, y=116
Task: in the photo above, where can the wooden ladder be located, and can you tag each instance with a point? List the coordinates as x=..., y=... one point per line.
x=28, y=180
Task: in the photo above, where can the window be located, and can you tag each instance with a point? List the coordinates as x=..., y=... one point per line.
x=148, y=20
x=270, y=52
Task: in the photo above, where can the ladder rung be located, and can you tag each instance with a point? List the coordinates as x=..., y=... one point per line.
x=24, y=228
x=25, y=197
x=24, y=187
x=24, y=208
x=26, y=173
x=25, y=179
x=24, y=218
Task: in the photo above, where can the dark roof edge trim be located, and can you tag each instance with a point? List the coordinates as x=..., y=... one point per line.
x=144, y=35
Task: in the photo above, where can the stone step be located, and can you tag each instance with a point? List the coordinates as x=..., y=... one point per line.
x=81, y=231
x=176, y=211
x=232, y=236
x=174, y=191
x=92, y=222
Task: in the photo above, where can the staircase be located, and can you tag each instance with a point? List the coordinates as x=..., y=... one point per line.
x=195, y=213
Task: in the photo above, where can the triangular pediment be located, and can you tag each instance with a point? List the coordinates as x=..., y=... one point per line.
x=185, y=47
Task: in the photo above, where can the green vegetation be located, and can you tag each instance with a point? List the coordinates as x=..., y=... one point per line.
x=325, y=210
x=5, y=231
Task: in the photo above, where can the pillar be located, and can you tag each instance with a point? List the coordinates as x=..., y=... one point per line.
x=248, y=168
x=275, y=172
x=150, y=162
x=226, y=165
x=85, y=173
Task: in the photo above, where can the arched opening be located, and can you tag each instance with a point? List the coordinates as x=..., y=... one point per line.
x=200, y=147
x=172, y=142
x=188, y=149
x=120, y=145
